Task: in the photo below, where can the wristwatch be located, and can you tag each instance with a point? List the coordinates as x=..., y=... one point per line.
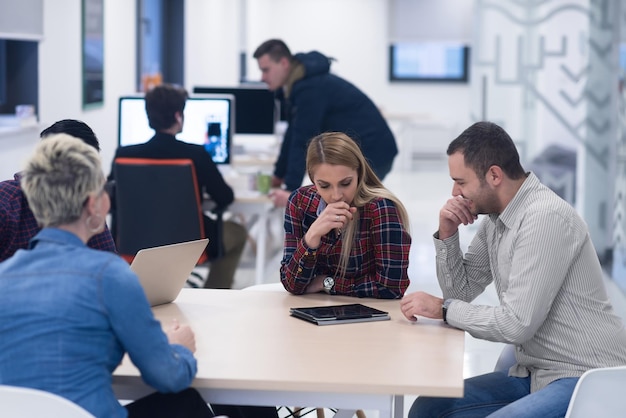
x=444, y=309
x=328, y=284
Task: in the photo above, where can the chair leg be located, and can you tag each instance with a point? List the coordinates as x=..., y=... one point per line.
x=298, y=409
x=320, y=412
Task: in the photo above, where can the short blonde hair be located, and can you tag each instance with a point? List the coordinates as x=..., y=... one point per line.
x=59, y=177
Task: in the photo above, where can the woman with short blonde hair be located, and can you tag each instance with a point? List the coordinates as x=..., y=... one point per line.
x=70, y=313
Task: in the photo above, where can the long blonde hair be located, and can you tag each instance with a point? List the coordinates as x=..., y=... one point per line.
x=337, y=148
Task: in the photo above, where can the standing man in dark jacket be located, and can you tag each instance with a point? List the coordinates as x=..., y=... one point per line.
x=318, y=101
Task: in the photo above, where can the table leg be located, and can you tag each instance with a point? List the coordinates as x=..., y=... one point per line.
x=398, y=406
x=261, y=250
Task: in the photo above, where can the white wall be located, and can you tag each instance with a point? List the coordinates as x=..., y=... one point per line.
x=424, y=20
x=14, y=148
x=21, y=20
x=354, y=31
x=60, y=89
x=444, y=20
x=211, y=43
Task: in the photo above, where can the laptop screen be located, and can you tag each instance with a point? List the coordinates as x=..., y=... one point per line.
x=208, y=121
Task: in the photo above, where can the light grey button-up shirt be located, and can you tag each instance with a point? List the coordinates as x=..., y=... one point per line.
x=553, y=302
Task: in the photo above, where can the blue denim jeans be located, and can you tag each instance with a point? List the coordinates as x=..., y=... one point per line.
x=496, y=395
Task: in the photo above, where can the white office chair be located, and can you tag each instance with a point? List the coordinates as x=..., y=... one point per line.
x=506, y=359
x=19, y=402
x=599, y=393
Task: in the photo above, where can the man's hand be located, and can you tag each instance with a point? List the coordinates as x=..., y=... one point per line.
x=421, y=304
x=276, y=181
x=456, y=211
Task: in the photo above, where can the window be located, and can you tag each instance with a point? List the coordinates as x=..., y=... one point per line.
x=160, y=39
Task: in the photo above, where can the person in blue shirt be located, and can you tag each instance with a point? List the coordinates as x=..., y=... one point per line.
x=70, y=313
x=316, y=101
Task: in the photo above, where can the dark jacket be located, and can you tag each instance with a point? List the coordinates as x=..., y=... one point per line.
x=164, y=146
x=322, y=102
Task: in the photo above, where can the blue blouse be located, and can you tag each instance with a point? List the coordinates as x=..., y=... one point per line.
x=69, y=313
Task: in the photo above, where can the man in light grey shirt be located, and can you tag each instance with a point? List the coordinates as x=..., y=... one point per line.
x=537, y=251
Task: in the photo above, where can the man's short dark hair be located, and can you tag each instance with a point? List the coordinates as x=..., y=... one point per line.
x=485, y=144
x=162, y=103
x=75, y=128
x=275, y=48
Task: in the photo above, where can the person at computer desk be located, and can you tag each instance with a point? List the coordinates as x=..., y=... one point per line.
x=165, y=105
x=17, y=222
x=317, y=101
x=345, y=234
x=70, y=313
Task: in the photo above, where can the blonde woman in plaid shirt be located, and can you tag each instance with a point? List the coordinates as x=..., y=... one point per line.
x=345, y=234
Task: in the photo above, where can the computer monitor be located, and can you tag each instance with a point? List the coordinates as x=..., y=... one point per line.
x=256, y=112
x=208, y=121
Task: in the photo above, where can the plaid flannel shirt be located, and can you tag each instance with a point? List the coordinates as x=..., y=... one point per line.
x=379, y=259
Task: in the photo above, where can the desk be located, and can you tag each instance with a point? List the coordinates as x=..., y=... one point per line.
x=251, y=351
x=260, y=206
x=250, y=203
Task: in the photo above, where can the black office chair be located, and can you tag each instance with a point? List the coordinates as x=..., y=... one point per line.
x=157, y=202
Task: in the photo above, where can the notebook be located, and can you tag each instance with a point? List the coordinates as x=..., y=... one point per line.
x=339, y=314
x=164, y=270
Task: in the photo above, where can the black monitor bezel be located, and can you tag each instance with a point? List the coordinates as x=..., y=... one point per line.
x=246, y=107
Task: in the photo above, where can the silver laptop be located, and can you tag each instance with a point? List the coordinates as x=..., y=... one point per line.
x=164, y=270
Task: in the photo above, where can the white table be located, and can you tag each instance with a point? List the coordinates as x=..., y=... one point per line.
x=250, y=351
x=255, y=210
x=260, y=155
x=261, y=207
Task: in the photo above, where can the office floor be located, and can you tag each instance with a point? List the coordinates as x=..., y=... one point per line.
x=423, y=189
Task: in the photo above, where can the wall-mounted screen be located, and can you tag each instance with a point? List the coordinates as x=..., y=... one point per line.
x=256, y=109
x=429, y=61
x=208, y=121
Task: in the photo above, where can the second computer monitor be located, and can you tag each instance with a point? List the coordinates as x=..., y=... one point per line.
x=256, y=111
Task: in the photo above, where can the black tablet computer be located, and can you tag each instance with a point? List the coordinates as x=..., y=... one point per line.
x=339, y=314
